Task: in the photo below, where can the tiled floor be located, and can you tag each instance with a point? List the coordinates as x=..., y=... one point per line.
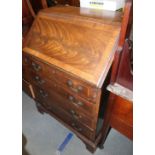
x=44, y=134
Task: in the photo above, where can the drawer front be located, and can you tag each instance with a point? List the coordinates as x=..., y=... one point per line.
x=51, y=106
x=123, y=110
x=69, y=82
x=49, y=96
x=73, y=101
x=32, y=65
x=78, y=87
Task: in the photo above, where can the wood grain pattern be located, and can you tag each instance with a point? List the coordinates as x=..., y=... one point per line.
x=51, y=73
x=80, y=46
x=122, y=116
x=62, y=103
x=67, y=55
x=65, y=117
x=66, y=99
x=86, y=107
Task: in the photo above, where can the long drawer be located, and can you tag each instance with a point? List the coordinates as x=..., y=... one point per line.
x=49, y=96
x=76, y=86
x=52, y=106
x=79, y=103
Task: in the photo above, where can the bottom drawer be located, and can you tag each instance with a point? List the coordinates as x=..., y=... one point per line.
x=65, y=117
x=74, y=112
x=76, y=125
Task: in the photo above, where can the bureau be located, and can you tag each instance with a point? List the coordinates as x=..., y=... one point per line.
x=67, y=56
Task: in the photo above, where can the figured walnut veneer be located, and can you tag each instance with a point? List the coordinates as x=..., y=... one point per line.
x=67, y=55
x=83, y=46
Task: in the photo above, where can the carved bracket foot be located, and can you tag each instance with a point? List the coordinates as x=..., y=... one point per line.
x=90, y=148
x=39, y=108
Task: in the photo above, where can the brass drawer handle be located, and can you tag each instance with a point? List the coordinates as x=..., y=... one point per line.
x=74, y=114
x=76, y=127
x=43, y=94
x=69, y=83
x=39, y=80
x=79, y=103
x=73, y=100
x=76, y=90
x=36, y=67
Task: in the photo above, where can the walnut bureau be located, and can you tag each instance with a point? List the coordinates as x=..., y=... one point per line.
x=67, y=56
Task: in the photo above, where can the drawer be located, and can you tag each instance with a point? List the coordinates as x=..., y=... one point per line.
x=77, y=86
x=71, y=83
x=65, y=117
x=122, y=116
x=76, y=125
x=79, y=103
x=123, y=110
x=30, y=64
x=49, y=96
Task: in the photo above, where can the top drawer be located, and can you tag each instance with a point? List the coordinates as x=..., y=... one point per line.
x=71, y=83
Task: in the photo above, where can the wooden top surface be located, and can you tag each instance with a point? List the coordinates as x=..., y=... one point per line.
x=81, y=42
